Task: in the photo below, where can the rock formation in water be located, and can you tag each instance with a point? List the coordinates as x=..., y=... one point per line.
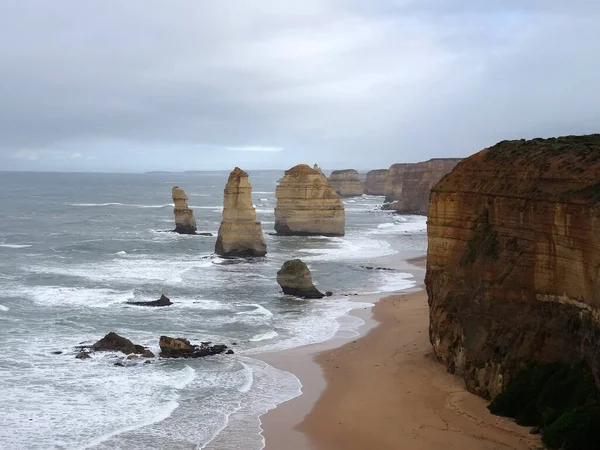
x=239, y=234
x=295, y=279
x=346, y=183
x=162, y=301
x=181, y=348
x=184, y=216
x=112, y=342
x=375, y=182
x=408, y=185
x=307, y=205
x=513, y=260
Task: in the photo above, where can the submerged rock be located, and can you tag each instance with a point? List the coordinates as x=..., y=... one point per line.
x=239, y=234
x=162, y=301
x=307, y=205
x=185, y=223
x=295, y=279
x=181, y=348
x=82, y=355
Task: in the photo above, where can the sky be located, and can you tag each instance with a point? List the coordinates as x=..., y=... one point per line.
x=140, y=85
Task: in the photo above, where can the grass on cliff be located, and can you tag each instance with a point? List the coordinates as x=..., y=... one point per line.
x=561, y=399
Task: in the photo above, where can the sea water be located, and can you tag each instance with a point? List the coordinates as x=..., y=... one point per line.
x=75, y=248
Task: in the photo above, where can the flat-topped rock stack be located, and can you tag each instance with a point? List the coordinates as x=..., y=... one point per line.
x=307, y=205
x=239, y=234
x=375, y=182
x=408, y=185
x=184, y=216
x=346, y=183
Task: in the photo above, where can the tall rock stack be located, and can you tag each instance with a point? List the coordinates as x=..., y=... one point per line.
x=409, y=185
x=184, y=216
x=307, y=205
x=513, y=260
x=239, y=234
x=375, y=182
x=346, y=183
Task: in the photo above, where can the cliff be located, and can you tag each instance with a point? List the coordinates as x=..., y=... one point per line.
x=408, y=185
x=239, y=234
x=346, y=183
x=184, y=216
x=375, y=182
x=513, y=260
x=307, y=205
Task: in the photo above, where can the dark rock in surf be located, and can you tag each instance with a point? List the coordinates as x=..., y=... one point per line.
x=112, y=342
x=295, y=279
x=181, y=348
x=162, y=301
x=82, y=355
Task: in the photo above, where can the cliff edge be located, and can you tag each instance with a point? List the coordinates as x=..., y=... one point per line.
x=513, y=260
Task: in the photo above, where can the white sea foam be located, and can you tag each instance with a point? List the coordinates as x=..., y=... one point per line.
x=249, y=374
x=72, y=296
x=258, y=310
x=350, y=248
x=389, y=281
x=15, y=245
x=264, y=336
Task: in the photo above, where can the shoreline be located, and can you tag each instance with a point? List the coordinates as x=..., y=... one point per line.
x=355, y=390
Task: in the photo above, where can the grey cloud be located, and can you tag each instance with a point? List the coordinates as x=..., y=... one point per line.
x=127, y=85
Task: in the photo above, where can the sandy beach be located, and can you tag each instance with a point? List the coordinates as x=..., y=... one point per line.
x=384, y=390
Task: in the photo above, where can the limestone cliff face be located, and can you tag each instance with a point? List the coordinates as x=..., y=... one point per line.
x=513, y=261
x=375, y=182
x=408, y=185
x=307, y=205
x=346, y=183
x=184, y=216
x=239, y=234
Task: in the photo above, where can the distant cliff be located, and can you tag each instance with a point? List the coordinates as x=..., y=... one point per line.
x=375, y=182
x=513, y=260
x=346, y=183
x=408, y=185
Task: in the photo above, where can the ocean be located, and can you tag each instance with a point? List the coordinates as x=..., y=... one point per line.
x=75, y=247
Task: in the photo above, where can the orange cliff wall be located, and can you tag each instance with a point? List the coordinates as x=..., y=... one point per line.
x=513, y=261
x=408, y=185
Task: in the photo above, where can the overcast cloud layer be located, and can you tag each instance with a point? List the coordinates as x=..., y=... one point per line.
x=142, y=85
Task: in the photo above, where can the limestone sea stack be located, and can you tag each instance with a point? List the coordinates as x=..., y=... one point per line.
x=184, y=216
x=408, y=185
x=346, y=183
x=295, y=279
x=307, y=205
x=513, y=260
x=239, y=234
x=375, y=182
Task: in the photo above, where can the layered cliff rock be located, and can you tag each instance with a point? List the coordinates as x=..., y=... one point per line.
x=408, y=185
x=376, y=181
x=513, y=261
x=307, y=205
x=346, y=183
x=239, y=234
x=184, y=216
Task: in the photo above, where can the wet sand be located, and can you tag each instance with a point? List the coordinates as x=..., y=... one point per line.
x=384, y=390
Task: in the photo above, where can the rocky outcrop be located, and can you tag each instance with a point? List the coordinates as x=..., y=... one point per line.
x=181, y=348
x=307, y=205
x=239, y=234
x=112, y=342
x=346, y=183
x=375, y=182
x=513, y=260
x=162, y=301
x=184, y=216
x=318, y=169
x=408, y=185
x=295, y=279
